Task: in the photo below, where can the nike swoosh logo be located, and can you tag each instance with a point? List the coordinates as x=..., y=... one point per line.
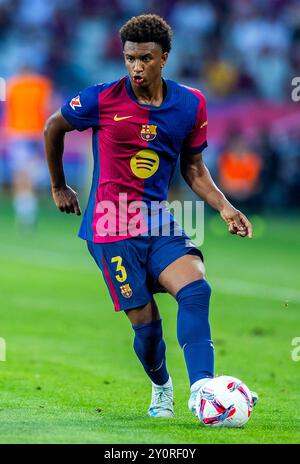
x=121, y=118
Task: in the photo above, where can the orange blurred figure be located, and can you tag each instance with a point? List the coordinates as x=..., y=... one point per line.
x=239, y=170
x=27, y=107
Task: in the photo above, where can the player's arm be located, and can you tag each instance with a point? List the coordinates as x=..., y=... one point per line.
x=64, y=197
x=198, y=177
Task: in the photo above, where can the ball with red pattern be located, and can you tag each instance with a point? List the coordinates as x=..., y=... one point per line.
x=224, y=401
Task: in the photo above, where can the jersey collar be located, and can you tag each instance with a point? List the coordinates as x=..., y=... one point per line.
x=133, y=97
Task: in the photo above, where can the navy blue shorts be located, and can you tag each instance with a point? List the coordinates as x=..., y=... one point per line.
x=131, y=267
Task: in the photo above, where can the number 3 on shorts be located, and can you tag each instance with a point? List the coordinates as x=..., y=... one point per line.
x=120, y=268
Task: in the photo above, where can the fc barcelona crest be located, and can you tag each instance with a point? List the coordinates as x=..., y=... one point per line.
x=148, y=132
x=126, y=290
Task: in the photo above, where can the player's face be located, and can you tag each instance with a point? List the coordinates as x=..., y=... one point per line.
x=144, y=62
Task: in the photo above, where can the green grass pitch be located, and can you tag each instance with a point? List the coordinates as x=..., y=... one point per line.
x=71, y=375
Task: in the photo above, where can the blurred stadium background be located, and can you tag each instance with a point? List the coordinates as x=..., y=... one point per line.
x=56, y=316
x=242, y=54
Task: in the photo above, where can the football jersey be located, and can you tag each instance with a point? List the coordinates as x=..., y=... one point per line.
x=135, y=149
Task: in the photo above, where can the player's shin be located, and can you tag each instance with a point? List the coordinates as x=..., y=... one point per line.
x=150, y=348
x=193, y=330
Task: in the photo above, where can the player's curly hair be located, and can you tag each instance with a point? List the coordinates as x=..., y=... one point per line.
x=147, y=28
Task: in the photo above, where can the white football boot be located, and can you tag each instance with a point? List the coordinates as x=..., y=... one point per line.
x=195, y=388
x=162, y=400
x=192, y=402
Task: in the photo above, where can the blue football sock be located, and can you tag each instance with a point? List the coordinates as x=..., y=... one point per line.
x=150, y=348
x=193, y=330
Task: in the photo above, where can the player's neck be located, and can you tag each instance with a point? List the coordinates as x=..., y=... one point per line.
x=153, y=94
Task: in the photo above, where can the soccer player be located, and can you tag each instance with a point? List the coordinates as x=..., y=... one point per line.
x=141, y=124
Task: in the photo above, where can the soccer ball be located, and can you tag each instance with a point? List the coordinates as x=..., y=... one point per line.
x=224, y=401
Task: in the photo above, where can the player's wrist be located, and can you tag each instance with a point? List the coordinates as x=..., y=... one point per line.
x=58, y=186
x=219, y=201
x=227, y=208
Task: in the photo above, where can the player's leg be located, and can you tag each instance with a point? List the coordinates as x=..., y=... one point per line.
x=128, y=290
x=185, y=280
x=144, y=314
x=150, y=348
x=149, y=344
x=178, y=267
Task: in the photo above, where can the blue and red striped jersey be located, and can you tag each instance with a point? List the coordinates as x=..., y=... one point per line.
x=135, y=147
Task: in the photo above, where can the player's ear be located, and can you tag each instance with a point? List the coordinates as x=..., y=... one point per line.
x=164, y=58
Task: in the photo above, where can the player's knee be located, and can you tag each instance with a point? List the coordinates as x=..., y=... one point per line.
x=195, y=293
x=198, y=266
x=143, y=315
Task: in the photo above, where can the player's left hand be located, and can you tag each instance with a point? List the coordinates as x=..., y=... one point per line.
x=237, y=222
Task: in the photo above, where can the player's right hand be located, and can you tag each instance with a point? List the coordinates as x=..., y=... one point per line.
x=66, y=200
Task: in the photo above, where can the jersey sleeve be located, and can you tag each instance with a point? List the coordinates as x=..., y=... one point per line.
x=197, y=138
x=82, y=111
